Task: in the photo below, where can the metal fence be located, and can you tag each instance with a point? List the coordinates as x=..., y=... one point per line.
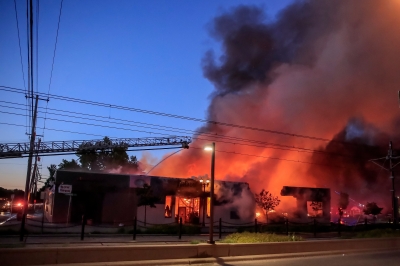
x=313, y=228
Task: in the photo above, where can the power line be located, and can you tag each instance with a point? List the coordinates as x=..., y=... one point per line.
x=191, y=147
x=262, y=143
x=198, y=138
x=52, y=64
x=55, y=46
x=30, y=112
x=100, y=104
x=37, y=45
x=19, y=43
x=58, y=130
x=87, y=124
x=268, y=157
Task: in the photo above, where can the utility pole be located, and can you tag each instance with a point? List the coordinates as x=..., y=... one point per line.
x=34, y=177
x=390, y=158
x=28, y=172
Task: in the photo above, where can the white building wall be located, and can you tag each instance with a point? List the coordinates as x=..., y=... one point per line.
x=154, y=215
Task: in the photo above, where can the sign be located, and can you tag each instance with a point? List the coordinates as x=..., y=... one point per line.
x=64, y=188
x=71, y=194
x=188, y=183
x=12, y=196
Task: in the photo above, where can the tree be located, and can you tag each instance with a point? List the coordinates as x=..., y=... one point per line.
x=6, y=193
x=372, y=209
x=65, y=164
x=146, y=198
x=266, y=201
x=107, y=159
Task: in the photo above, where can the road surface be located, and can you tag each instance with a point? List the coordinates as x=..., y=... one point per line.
x=386, y=258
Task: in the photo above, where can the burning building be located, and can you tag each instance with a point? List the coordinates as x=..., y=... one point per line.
x=304, y=99
x=311, y=202
x=118, y=198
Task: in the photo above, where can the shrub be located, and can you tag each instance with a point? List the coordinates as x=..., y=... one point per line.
x=378, y=233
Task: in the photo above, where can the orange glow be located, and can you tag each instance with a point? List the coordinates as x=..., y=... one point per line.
x=317, y=98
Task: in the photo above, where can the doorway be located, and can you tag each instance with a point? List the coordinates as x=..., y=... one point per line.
x=182, y=214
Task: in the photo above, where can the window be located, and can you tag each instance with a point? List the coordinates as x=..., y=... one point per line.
x=168, y=207
x=314, y=209
x=187, y=209
x=234, y=214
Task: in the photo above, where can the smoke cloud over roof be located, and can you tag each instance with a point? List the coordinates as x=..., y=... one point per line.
x=326, y=69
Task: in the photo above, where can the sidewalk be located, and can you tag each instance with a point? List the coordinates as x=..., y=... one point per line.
x=64, y=240
x=178, y=253
x=99, y=240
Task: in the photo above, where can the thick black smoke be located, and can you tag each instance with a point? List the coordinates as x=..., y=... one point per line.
x=322, y=68
x=252, y=46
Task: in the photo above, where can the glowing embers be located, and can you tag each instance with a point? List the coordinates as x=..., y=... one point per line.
x=188, y=209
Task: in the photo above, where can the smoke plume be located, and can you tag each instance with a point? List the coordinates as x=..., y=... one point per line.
x=327, y=69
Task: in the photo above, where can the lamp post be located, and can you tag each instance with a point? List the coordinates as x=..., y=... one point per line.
x=212, y=148
x=204, y=182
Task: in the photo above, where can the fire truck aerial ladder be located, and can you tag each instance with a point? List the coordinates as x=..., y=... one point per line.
x=18, y=150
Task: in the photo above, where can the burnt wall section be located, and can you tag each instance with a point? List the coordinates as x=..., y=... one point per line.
x=102, y=197
x=307, y=194
x=112, y=198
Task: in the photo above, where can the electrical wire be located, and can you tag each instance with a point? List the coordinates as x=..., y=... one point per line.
x=52, y=64
x=268, y=157
x=55, y=46
x=277, y=146
x=58, y=130
x=29, y=70
x=198, y=132
x=37, y=45
x=19, y=43
x=100, y=104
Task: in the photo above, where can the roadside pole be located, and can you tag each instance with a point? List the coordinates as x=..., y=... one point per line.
x=43, y=206
x=12, y=201
x=28, y=172
x=69, y=207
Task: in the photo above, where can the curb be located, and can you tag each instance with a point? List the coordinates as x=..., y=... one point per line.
x=219, y=260
x=189, y=254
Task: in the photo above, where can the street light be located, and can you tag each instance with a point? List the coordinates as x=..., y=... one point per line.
x=212, y=148
x=204, y=182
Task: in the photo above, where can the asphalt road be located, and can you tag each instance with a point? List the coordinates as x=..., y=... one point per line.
x=387, y=258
